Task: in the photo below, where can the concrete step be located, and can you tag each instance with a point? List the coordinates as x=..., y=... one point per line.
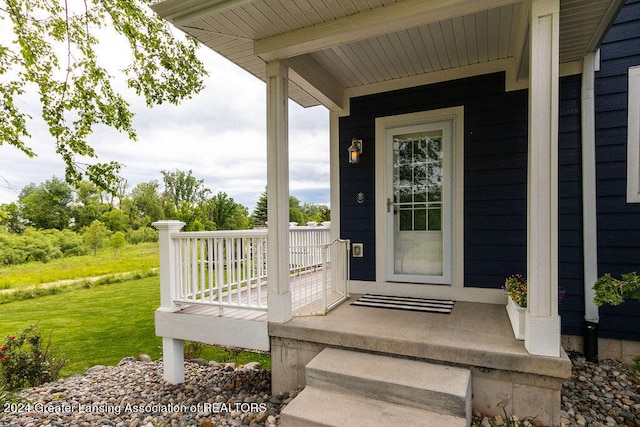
x=441, y=389
x=315, y=407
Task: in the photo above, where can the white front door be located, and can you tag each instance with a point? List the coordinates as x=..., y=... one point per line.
x=418, y=190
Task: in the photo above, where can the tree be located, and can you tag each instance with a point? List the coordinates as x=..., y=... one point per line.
x=145, y=199
x=115, y=220
x=260, y=212
x=316, y=213
x=181, y=187
x=48, y=205
x=297, y=213
x=10, y=218
x=51, y=45
x=227, y=214
x=89, y=206
x=117, y=241
x=95, y=236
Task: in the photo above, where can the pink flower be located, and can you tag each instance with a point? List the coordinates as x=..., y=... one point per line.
x=3, y=348
x=6, y=358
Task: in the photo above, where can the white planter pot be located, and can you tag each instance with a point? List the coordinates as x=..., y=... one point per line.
x=516, y=316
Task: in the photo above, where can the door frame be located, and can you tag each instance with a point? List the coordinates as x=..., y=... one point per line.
x=384, y=243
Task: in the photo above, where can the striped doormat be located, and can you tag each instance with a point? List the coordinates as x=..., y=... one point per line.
x=405, y=303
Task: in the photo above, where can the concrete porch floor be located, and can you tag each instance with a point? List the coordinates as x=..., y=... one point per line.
x=476, y=336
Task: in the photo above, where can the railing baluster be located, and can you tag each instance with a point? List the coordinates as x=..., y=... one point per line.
x=212, y=285
x=220, y=270
x=202, y=259
x=194, y=269
x=228, y=268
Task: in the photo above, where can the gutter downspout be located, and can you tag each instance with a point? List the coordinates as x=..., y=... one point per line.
x=589, y=217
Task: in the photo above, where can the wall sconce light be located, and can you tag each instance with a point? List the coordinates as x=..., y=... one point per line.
x=355, y=150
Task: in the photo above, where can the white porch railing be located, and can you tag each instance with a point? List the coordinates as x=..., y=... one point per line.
x=317, y=293
x=228, y=269
x=225, y=269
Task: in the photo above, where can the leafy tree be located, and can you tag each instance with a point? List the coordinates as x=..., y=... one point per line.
x=317, y=213
x=48, y=205
x=51, y=46
x=146, y=205
x=297, y=213
x=95, y=236
x=10, y=218
x=117, y=241
x=182, y=187
x=115, y=220
x=193, y=216
x=89, y=205
x=227, y=214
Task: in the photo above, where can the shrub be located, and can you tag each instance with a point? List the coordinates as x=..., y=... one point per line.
x=142, y=235
x=616, y=291
x=28, y=361
x=192, y=349
x=67, y=241
x=32, y=245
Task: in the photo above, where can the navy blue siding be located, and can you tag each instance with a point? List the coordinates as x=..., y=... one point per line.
x=570, y=241
x=495, y=173
x=618, y=221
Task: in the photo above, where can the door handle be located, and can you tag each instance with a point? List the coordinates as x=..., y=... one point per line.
x=389, y=203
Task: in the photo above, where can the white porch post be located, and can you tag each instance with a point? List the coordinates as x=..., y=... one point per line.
x=542, y=323
x=172, y=349
x=334, y=161
x=279, y=296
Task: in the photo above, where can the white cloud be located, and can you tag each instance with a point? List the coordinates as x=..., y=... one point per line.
x=219, y=134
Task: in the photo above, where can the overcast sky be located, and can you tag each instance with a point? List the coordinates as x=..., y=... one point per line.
x=220, y=135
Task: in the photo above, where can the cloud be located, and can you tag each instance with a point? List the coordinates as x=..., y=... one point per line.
x=220, y=135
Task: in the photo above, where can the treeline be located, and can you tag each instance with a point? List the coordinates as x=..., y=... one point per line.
x=52, y=219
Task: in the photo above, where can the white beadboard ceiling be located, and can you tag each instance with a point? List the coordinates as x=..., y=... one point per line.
x=337, y=46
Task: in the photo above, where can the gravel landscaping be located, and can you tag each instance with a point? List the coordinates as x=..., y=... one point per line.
x=133, y=394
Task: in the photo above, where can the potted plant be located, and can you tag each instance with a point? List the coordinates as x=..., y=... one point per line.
x=516, y=288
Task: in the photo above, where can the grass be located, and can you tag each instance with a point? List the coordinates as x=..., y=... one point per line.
x=142, y=257
x=100, y=325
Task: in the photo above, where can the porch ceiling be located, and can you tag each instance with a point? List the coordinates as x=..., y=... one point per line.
x=341, y=48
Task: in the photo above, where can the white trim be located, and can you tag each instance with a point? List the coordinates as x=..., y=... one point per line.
x=456, y=115
x=334, y=177
x=372, y=23
x=508, y=66
x=633, y=137
x=446, y=126
x=589, y=214
x=542, y=337
x=429, y=78
x=278, y=194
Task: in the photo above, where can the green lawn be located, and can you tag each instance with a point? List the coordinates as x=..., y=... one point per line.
x=102, y=324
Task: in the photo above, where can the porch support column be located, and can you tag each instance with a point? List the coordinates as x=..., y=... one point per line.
x=542, y=323
x=334, y=161
x=279, y=296
x=172, y=348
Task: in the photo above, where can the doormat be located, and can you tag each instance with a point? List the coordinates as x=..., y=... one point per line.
x=405, y=303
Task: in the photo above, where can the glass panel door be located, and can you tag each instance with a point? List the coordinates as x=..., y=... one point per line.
x=418, y=196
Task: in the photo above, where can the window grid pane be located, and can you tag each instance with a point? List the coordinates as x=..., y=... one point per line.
x=417, y=164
